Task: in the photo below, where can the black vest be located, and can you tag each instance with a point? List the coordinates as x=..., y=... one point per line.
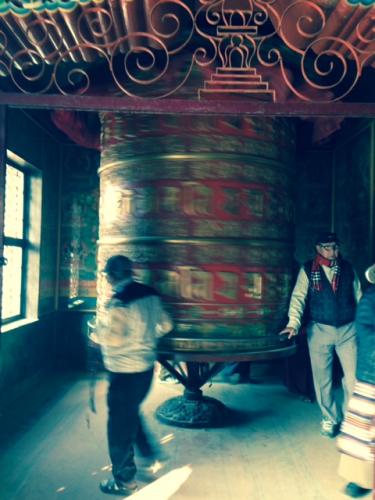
x=325, y=306
x=134, y=291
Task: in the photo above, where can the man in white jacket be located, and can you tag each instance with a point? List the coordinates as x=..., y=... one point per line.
x=128, y=336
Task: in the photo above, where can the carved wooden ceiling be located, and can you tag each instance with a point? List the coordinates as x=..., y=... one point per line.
x=267, y=50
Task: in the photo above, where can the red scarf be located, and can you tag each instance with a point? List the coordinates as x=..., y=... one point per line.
x=316, y=277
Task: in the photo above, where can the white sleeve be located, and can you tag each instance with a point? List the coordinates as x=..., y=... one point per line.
x=298, y=300
x=357, y=288
x=164, y=321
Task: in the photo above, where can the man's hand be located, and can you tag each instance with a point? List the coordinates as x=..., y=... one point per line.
x=291, y=332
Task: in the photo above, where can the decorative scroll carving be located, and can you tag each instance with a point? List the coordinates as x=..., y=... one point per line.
x=237, y=34
x=261, y=49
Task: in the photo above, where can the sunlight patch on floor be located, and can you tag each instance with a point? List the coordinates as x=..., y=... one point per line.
x=164, y=487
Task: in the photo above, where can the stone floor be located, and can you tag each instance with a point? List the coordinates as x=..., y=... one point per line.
x=273, y=452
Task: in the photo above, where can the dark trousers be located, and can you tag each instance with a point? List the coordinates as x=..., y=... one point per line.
x=125, y=429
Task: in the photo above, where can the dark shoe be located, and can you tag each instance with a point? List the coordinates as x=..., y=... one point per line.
x=328, y=428
x=354, y=490
x=112, y=488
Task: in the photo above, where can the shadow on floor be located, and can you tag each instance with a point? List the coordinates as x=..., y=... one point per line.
x=21, y=416
x=237, y=417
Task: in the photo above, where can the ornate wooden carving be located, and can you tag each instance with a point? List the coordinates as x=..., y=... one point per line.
x=273, y=50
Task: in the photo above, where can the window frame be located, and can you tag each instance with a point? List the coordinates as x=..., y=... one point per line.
x=24, y=243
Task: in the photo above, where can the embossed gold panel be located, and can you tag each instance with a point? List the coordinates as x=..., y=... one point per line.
x=204, y=207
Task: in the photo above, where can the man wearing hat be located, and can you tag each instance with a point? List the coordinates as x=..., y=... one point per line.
x=128, y=335
x=326, y=292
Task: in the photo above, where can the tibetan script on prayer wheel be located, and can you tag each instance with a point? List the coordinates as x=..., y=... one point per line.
x=204, y=207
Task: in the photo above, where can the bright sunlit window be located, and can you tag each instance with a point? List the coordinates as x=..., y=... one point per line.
x=22, y=213
x=14, y=243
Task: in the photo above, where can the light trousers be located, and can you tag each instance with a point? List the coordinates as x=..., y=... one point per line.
x=323, y=341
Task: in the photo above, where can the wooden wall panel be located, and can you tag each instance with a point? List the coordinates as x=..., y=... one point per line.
x=353, y=195
x=79, y=227
x=314, y=200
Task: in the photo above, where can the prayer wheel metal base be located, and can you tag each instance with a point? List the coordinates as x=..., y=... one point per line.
x=193, y=370
x=192, y=410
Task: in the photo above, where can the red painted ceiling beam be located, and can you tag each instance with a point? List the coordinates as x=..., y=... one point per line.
x=173, y=106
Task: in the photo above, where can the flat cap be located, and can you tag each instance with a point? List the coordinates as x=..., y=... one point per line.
x=326, y=237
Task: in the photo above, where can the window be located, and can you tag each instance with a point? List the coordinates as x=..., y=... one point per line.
x=22, y=198
x=14, y=243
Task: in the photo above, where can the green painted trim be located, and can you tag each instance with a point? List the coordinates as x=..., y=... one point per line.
x=22, y=8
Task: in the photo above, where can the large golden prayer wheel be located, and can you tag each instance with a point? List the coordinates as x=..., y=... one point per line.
x=204, y=207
